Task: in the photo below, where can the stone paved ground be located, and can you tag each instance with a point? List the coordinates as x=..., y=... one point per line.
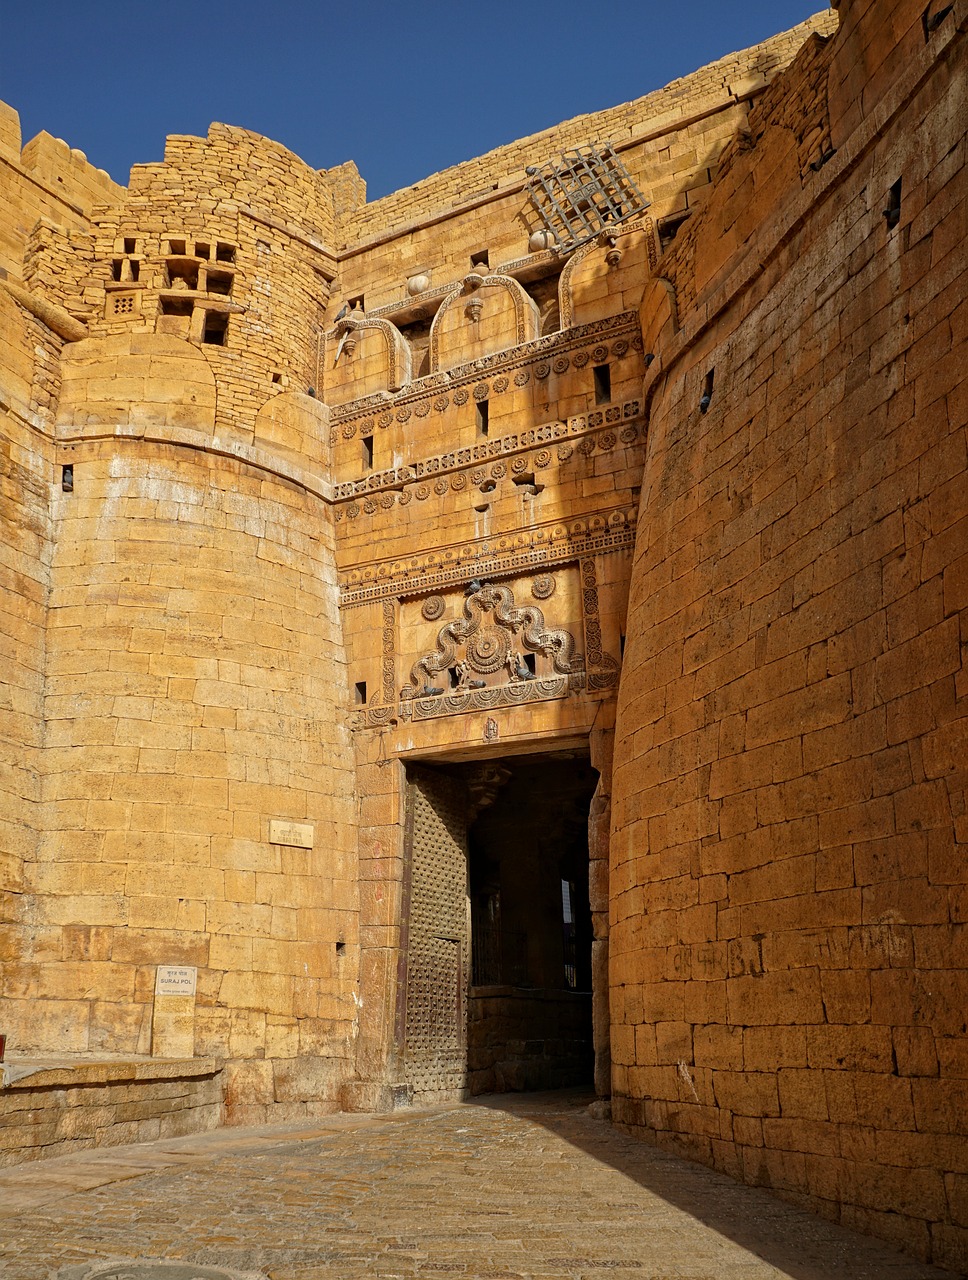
x=503, y=1188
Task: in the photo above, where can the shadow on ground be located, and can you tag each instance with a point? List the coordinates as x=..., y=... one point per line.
x=799, y=1244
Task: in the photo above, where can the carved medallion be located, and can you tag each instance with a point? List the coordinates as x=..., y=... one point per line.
x=493, y=653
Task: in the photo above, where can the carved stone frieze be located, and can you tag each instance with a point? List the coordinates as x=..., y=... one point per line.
x=597, y=658
x=589, y=426
x=545, y=546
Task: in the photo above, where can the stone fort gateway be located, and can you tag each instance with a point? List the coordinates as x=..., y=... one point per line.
x=507, y=635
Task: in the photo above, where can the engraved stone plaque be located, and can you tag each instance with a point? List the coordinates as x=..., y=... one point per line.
x=298, y=834
x=175, y=980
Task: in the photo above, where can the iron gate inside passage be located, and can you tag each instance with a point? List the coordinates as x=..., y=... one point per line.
x=435, y=1043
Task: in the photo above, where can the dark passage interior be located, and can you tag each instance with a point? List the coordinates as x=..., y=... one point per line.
x=529, y=1013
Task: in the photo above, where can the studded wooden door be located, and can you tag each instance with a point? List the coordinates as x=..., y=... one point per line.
x=435, y=1043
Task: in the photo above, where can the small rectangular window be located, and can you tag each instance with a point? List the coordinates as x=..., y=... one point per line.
x=130, y=246
x=482, y=416
x=219, y=282
x=67, y=478
x=669, y=227
x=602, y=374
x=480, y=259
x=367, y=443
x=216, y=328
x=359, y=690
x=176, y=306
x=225, y=252
x=203, y=250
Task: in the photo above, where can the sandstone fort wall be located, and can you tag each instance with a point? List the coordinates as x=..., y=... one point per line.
x=787, y=869
x=265, y=450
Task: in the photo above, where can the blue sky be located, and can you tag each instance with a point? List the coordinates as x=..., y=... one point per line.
x=404, y=90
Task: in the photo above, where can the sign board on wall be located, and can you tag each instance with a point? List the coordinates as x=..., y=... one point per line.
x=175, y=980
x=298, y=834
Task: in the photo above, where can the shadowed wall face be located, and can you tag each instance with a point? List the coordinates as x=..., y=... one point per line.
x=788, y=874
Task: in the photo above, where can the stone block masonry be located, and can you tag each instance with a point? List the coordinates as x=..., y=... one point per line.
x=788, y=852
x=55, y=1108
x=326, y=525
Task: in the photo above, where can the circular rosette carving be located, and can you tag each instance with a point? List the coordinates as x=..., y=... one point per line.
x=522, y=378
x=441, y=403
x=627, y=435
x=519, y=465
x=481, y=391
x=564, y=452
x=477, y=476
x=458, y=482
x=441, y=487
x=462, y=396
x=405, y=497
x=580, y=359
x=619, y=348
x=587, y=448
x=542, y=369
x=560, y=364
x=606, y=441
x=433, y=608
x=499, y=470
x=352, y=511
x=422, y=409
x=369, y=506
x=385, y=419
x=542, y=458
x=422, y=491
x=403, y=415
x=637, y=343
x=543, y=586
x=599, y=354
x=500, y=384
x=349, y=431
x=487, y=651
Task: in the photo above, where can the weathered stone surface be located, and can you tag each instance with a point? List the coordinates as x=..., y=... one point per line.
x=331, y=492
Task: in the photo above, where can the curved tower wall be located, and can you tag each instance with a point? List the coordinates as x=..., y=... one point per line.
x=193, y=891
x=787, y=938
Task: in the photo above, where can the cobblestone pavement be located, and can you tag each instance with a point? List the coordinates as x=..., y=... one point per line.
x=506, y=1187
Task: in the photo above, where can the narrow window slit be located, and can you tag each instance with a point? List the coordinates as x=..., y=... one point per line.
x=707, y=391
x=602, y=373
x=892, y=214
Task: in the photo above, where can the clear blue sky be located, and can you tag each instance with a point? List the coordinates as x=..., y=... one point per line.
x=402, y=89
